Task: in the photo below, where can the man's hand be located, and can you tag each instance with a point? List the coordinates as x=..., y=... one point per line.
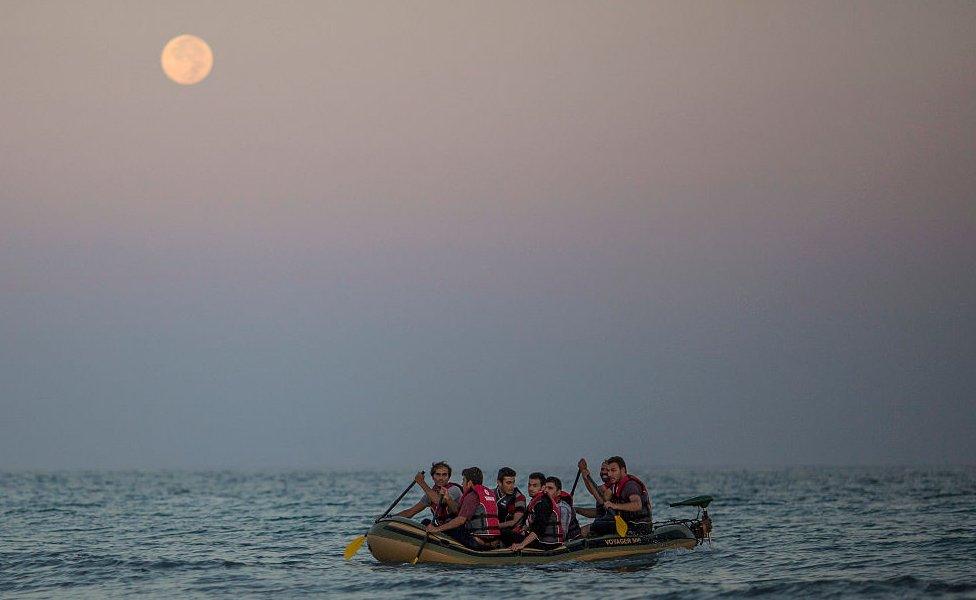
x=431, y=528
x=585, y=470
x=445, y=493
x=516, y=547
x=609, y=506
x=419, y=478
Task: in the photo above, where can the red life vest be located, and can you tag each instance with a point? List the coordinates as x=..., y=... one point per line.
x=523, y=525
x=535, y=500
x=530, y=514
x=484, y=522
x=617, y=489
x=441, y=513
x=554, y=533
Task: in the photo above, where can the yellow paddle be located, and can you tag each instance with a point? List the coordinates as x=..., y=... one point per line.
x=353, y=547
x=620, y=524
x=357, y=542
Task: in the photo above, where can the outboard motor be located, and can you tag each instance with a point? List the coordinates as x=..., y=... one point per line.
x=701, y=526
x=706, y=525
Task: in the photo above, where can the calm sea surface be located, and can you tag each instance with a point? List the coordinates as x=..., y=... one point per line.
x=798, y=532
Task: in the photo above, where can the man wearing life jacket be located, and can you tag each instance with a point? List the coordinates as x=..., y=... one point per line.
x=628, y=498
x=510, y=502
x=476, y=524
x=442, y=499
x=535, y=488
x=551, y=520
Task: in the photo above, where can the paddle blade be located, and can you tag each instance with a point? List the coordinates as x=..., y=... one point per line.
x=354, y=546
x=621, y=525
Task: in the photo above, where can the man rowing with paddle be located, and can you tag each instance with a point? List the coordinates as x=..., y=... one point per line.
x=442, y=499
x=599, y=492
x=628, y=499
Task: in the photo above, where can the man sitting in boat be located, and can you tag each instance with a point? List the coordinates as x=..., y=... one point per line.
x=600, y=492
x=443, y=499
x=476, y=524
x=510, y=502
x=628, y=498
x=551, y=520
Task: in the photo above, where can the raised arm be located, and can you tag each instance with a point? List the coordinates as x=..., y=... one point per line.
x=448, y=500
x=434, y=498
x=591, y=485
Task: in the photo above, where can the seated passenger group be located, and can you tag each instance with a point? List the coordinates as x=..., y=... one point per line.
x=481, y=518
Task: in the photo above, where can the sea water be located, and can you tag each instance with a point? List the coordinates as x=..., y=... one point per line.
x=804, y=532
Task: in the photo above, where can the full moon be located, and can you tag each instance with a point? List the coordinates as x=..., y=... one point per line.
x=187, y=59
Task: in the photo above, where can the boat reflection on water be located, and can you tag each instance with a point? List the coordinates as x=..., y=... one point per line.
x=628, y=565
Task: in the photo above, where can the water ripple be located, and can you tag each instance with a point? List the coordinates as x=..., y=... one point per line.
x=782, y=533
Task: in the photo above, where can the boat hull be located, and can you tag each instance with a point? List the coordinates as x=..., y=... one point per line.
x=399, y=540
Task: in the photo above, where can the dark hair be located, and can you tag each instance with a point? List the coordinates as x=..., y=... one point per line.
x=505, y=472
x=620, y=462
x=434, y=466
x=537, y=475
x=474, y=475
x=555, y=481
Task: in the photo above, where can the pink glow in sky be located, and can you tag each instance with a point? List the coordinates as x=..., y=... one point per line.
x=742, y=232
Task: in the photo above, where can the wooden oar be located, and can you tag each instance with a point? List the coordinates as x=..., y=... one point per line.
x=357, y=542
x=575, y=482
x=441, y=502
x=419, y=552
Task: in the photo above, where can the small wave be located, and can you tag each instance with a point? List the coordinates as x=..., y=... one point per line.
x=891, y=586
x=944, y=495
x=93, y=568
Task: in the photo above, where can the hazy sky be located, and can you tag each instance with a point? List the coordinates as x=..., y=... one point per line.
x=382, y=233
